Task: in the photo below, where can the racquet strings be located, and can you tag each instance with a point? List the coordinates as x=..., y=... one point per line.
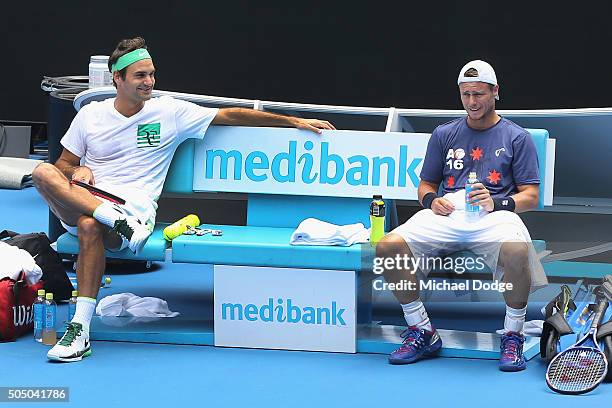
x=577, y=370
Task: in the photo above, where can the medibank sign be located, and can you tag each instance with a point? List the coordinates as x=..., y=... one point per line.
x=285, y=308
x=289, y=161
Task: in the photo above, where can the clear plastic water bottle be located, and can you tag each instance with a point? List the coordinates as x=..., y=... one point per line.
x=72, y=305
x=49, y=334
x=471, y=210
x=39, y=315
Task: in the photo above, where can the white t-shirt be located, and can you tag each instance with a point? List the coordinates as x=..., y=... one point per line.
x=134, y=153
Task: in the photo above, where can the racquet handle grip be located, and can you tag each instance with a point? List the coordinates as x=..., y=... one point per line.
x=602, y=306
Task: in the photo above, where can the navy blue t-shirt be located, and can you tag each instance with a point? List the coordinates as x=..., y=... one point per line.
x=503, y=157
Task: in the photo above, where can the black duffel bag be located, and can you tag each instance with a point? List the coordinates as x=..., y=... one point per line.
x=38, y=245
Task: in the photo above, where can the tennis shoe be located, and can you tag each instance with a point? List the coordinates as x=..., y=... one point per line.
x=511, y=352
x=418, y=343
x=73, y=346
x=132, y=230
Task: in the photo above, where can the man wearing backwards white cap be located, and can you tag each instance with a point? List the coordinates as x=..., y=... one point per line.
x=503, y=156
x=124, y=145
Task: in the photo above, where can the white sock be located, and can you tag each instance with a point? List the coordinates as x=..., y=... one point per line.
x=515, y=319
x=85, y=309
x=107, y=214
x=416, y=315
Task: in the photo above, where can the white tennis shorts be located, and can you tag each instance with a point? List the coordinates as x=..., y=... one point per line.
x=138, y=204
x=431, y=235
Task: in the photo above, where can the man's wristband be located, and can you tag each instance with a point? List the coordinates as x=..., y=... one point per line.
x=428, y=199
x=504, y=203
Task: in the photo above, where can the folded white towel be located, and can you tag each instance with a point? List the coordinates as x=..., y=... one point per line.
x=128, y=304
x=312, y=231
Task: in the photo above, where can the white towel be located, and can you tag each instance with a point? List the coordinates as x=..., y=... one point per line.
x=16, y=173
x=312, y=231
x=128, y=304
x=16, y=260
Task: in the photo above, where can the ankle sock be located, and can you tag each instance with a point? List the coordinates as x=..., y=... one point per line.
x=416, y=315
x=85, y=308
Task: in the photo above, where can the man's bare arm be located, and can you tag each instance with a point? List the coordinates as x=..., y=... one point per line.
x=251, y=117
x=425, y=187
x=527, y=198
x=69, y=164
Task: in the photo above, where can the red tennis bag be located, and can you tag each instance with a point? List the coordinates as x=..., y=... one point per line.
x=16, y=312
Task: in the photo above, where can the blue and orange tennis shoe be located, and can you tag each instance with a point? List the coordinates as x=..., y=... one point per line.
x=511, y=352
x=418, y=343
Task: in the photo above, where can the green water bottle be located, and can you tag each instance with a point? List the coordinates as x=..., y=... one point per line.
x=377, y=219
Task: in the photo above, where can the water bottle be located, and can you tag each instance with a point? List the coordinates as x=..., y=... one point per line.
x=176, y=229
x=471, y=210
x=39, y=315
x=49, y=334
x=72, y=305
x=377, y=219
x=99, y=75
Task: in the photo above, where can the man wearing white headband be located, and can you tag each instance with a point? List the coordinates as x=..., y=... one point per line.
x=503, y=156
x=124, y=145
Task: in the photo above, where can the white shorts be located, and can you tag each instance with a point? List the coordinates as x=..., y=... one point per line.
x=431, y=235
x=138, y=204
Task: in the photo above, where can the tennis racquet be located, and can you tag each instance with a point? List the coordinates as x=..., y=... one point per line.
x=99, y=192
x=583, y=366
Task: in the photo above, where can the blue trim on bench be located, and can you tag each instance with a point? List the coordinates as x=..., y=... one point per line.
x=266, y=210
x=540, y=138
x=566, y=269
x=262, y=246
x=180, y=173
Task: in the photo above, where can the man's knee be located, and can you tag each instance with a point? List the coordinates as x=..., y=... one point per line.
x=514, y=254
x=44, y=174
x=88, y=228
x=391, y=245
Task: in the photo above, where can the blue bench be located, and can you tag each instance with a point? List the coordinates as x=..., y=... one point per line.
x=271, y=219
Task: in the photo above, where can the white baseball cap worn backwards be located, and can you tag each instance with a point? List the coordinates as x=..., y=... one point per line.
x=485, y=73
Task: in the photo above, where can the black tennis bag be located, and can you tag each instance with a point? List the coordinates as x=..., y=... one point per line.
x=38, y=245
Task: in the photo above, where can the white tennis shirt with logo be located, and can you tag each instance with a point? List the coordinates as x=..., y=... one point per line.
x=130, y=157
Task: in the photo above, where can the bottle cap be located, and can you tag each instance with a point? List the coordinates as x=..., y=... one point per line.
x=75, y=293
x=377, y=197
x=472, y=174
x=49, y=296
x=41, y=292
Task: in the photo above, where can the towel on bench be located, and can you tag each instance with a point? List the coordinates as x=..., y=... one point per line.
x=312, y=231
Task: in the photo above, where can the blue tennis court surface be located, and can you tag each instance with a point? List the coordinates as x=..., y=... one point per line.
x=141, y=374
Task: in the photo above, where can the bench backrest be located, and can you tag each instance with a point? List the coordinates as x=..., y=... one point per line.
x=288, y=210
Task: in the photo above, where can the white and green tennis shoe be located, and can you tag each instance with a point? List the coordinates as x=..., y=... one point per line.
x=73, y=346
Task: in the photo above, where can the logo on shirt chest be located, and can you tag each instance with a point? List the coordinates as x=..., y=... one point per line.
x=454, y=158
x=148, y=135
